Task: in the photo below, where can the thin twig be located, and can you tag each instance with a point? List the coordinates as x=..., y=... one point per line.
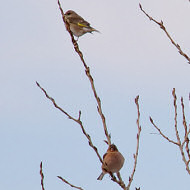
x=138, y=141
x=178, y=143
x=164, y=136
x=119, y=182
x=65, y=181
x=186, y=138
x=87, y=71
x=75, y=120
x=42, y=177
x=177, y=133
x=184, y=119
x=119, y=177
x=161, y=24
x=187, y=144
x=175, y=117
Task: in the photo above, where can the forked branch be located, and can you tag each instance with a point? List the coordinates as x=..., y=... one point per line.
x=78, y=121
x=161, y=133
x=180, y=143
x=99, y=108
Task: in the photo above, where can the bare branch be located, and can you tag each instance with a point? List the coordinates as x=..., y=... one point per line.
x=161, y=24
x=186, y=139
x=137, y=147
x=66, y=23
x=177, y=133
x=187, y=144
x=184, y=159
x=42, y=177
x=119, y=182
x=164, y=136
x=119, y=177
x=184, y=119
x=75, y=120
x=175, y=117
x=87, y=71
x=65, y=181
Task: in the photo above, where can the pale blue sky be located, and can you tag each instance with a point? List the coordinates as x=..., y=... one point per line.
x=131, y=57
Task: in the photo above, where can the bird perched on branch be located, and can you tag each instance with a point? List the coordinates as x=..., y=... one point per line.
x=78, y=25
x=113, y=161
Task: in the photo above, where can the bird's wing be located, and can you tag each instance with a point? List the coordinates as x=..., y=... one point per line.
x=104, y=155
x=83, y=23
x=79, y=21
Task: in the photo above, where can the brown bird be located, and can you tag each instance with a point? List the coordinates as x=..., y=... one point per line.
x=78, y=25
x=113, y=161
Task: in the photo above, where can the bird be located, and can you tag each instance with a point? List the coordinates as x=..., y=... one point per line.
x=113, y=161
x=78, y=25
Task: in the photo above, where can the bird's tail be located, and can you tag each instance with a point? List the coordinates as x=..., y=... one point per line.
x=94, y=30
x=101, y=176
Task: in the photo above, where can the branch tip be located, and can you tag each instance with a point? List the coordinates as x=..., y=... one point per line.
x=42, y=176
x=65, y=181
x=79, y=115
x=151, y=120
x=140, y=6
x=37, y=83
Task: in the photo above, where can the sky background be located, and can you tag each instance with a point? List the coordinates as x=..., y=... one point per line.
x=131, y=56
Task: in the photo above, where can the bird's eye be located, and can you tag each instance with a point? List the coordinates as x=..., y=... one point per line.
x=68, y=13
